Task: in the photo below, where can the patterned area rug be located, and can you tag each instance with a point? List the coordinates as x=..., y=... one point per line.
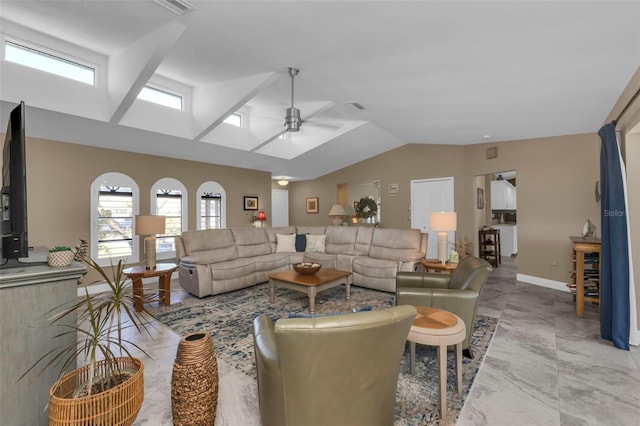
x=229, y=317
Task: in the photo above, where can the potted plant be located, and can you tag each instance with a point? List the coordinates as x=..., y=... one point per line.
x=60, y=256
x=109, y=389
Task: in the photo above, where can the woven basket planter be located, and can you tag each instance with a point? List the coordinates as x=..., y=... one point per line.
x=60, y=258
x=117, y=406
x=194, y=381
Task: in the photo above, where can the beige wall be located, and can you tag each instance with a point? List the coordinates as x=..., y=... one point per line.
x=401, y=165
x=556, y=178
x=556, y=182
x=555, y=189
x=60, y=176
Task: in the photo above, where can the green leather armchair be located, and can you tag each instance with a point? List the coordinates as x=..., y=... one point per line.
x=332, y=370
x=457, y=293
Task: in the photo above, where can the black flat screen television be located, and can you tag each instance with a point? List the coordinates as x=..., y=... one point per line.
x=14, y=190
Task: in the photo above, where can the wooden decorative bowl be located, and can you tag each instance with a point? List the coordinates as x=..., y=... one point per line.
x=307, y=268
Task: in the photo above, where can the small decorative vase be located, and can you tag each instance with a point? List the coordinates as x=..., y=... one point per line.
x=60, y=258
x=194, y=382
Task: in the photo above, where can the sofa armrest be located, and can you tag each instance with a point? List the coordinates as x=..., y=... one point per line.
x=270, y=389
x=192, y=261
x=422, y=280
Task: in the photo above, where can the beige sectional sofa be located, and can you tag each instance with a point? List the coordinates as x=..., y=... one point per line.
x=217, y=261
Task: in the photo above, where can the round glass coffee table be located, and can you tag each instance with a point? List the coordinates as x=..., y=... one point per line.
x=437, y=327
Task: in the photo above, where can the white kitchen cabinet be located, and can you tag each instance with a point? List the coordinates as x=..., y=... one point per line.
x=503, y=195
x=508, y=239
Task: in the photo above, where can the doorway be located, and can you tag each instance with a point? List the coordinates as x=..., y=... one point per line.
x=431, y=195
x=279, y=207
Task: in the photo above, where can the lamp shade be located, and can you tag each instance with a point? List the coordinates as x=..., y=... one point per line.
x=443, y=221
x=261, y=215
x=150, y=225
x=337, y=210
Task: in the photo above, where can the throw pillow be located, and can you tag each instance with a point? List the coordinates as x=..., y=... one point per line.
x=301, y=242
x=315, y=243
x=285, y=243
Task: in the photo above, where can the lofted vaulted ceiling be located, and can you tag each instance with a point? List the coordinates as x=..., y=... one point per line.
x=433, y=72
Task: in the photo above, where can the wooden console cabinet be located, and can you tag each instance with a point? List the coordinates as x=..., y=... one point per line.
x=586, y=275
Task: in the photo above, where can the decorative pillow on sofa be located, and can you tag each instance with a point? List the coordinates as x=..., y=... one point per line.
x=301, y=242
x=315, y=243
x=285, y=243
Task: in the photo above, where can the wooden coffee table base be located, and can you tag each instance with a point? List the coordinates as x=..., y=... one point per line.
x=311, y=284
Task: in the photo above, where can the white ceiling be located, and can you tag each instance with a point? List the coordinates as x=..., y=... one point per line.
x=430, y=72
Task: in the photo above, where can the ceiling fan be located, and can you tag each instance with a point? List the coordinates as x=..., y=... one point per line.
x=292, y=120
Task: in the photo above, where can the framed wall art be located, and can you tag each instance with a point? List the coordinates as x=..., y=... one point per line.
x=250, y=203
x=480, y=198
x=312, y=205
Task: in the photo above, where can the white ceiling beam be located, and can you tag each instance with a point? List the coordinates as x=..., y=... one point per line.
x=215, y=102
x=132, y=67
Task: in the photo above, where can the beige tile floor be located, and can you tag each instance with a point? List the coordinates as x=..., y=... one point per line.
x=544, y=367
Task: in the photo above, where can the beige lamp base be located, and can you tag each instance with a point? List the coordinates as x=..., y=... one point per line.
x=150, y=252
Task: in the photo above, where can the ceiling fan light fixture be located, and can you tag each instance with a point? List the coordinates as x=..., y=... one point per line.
x=283, y=182
x=292, y=120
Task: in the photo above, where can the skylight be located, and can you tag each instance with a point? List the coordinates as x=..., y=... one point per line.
x=234, y=119
x=161, y=97
x=47, y=62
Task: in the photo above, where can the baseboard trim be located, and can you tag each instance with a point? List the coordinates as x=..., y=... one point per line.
x=543, y=282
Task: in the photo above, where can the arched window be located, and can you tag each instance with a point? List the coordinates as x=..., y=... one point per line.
x=211, y=206
x=114, y=203
x=169, y=199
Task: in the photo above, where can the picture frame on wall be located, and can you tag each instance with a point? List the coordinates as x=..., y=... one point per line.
x=250, y=203
x=480, y=198
x=312, y=205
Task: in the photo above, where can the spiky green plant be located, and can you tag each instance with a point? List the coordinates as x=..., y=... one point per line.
x=101, y=319
x=59, y=248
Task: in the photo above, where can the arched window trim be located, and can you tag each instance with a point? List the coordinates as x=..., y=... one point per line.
x=121, y=180
x=211, y=187
x=170, y=184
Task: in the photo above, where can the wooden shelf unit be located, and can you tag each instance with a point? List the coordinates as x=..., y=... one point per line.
x=586, y=251
x=489, y=250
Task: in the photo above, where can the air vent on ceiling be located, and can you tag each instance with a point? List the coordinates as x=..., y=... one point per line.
x=178, y=7
x=356, y=105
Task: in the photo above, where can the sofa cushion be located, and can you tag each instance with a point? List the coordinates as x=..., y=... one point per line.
x=301, y=242
x=326, y=260
x=232, y=269
x=209, y=245
x=340, y=239
x=375, y=268
x=363, y=239
x=285, y=243
x=396, y=244
x=251, y=241
x=272, y=232
x=315, y=230
x=316, y=243
x=272, y=262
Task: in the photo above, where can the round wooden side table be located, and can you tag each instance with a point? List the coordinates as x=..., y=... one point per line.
x=437, y=327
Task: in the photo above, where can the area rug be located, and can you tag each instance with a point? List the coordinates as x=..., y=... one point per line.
x=229, y=317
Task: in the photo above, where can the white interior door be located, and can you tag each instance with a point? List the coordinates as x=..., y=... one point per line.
x=431, y=195
x=279, y=207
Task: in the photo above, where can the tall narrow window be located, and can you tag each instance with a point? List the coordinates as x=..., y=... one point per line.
x=47, y=62
x=210, y=211
x=169, y=199
x=169, y=205
x=114, y=203
x=234, y=119
x=115, y=222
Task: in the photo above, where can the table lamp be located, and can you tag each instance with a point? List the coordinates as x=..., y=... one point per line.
x=150, y=226
x=442, y=222
x=259, y=223
x=336, y=212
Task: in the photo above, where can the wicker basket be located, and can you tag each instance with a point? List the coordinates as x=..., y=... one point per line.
x=60, y=258
x=194, y=382
x=116, y=406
